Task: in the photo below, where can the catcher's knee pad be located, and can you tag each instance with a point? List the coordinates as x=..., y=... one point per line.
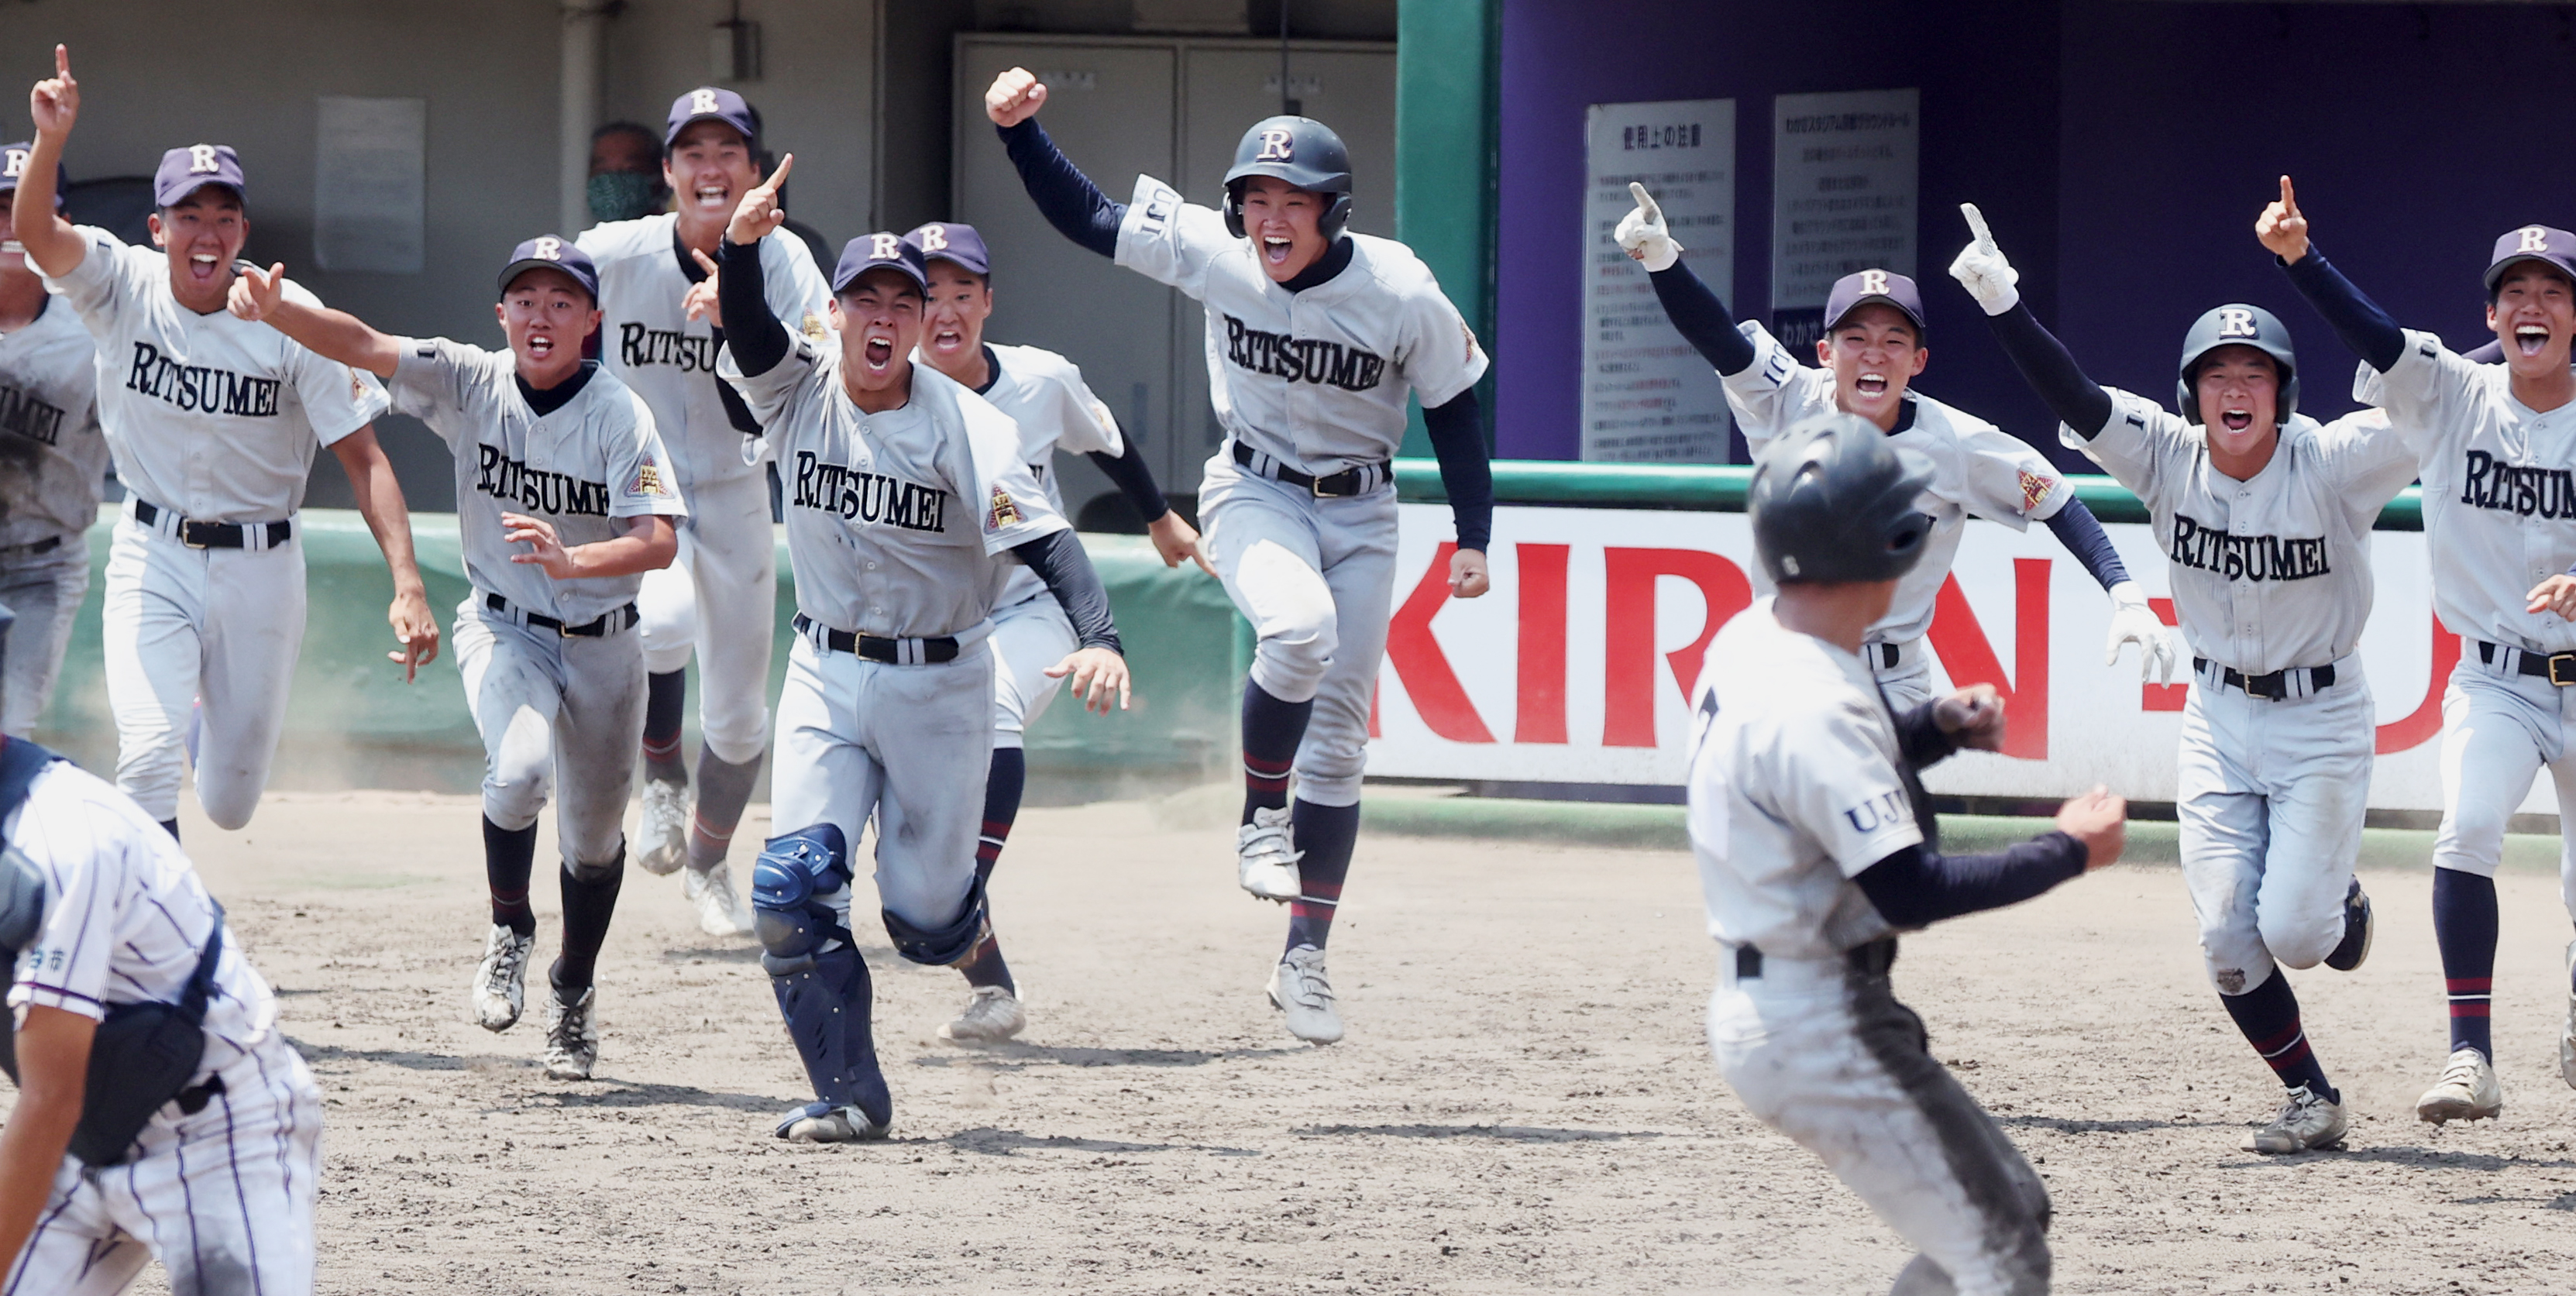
x=789, y=915
x=941, y=946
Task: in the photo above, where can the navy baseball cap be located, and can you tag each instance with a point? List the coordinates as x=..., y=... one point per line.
x=941, y=241
x=552, y=252
x=1873, y=287
x=2542, y=243
x=706, y=103
x=186, y=170
x=13, y=164
x=879, y=251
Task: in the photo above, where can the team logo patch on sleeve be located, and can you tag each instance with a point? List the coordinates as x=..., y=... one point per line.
x=2034, y=489
x=648, y=481
x=1004, y=513
x=813, y=327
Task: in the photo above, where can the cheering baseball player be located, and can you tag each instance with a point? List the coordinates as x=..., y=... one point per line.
x=2264, y=516
x=2493, y=445
x=1044, y=394
x=1817, y=845
x=1870, y=353
x=907, y=494
x=213, y=427
x=1316, y=338
x=54, y=469
x=161, y=1113
x=555, y=456
x=660, y=338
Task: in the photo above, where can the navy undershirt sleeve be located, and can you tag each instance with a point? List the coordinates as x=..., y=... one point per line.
x=1921, y=740
x=2076, y=400
x=1466, y=475
x=1919, y=886
x=2081, y=533
x=1134, y=480
x=2356, y=318
x=1058, y=559
x=1702, y=319
x=1064, y=195
x=756, y=337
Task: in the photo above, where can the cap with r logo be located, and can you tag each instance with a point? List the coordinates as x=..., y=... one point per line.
x=2555, y=247
x=184, y=171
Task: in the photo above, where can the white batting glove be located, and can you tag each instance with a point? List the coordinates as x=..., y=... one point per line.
x=2132, y=621
x=1641, y=233
x=1982, y=269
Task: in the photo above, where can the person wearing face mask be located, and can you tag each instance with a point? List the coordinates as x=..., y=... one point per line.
x=1866, y=362
x=2264, y=516
x=625, y=173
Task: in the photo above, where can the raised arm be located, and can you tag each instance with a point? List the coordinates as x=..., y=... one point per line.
x=50, y=240
x=260, y=297
x=1064, y=195
x=2356, y=319
x=752, y=331
x=2076, y=400
x=1694, y=310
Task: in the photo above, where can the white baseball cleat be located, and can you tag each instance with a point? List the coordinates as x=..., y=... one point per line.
x=992, y=1015
x=2306, y=1121
x=721, y=912
x=2567, y=1033
x=819, y=1122
x=2468, y=1091
x=1298, y=989
x=501, y=983
x=1268, y=856
x=572, y=1034
x=663, y=844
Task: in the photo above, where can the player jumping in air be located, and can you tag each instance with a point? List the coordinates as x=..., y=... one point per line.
x=1316, y=338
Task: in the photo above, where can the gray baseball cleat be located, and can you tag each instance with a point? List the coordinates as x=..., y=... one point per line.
x=721, y=911
x=821, y=1122
x=2307, y=1120
x=501, y=982
x=572, y=1034
x=662, y=844
x=2357, y=925
x=1298, y=989
x=1268, y=856
x=2467, y=1091
x=992, y=1015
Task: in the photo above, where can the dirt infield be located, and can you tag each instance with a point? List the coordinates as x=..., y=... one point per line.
x=1524, y=1103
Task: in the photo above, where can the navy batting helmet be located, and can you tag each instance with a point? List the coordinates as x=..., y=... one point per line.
x=2237, y=324
x=1833, y=501
x=1300, y=150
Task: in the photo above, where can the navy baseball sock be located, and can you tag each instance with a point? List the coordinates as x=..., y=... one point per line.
x=2269, y=1016
x=1326, y=834
x=587, y=906
x=1271, y=731
x=665, y=696
x=509, y=856
x=2464, y=925
x=171, y=826
x=1004, y=783
x=724, y=788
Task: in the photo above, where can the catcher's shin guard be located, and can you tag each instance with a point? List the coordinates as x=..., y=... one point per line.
x=814, y=966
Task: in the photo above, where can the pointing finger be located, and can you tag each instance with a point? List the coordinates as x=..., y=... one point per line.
x=705, y=262
x=1654, y=211
x=779, y=177
x=63, y=62
x=1977, y=226
x=2289, y=198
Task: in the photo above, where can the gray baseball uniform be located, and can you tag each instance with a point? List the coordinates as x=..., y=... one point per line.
x=53, y=470
x=1043, y=393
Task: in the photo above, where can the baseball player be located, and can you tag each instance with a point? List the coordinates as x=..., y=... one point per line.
x=556, y=456
x=2264, y=516
x=660, y=338
x=1044, y=394
x=212, y=422
x=53, y=466
x=2493, y=444
x=1870, y=353
x=1315, y=339
x=905, y=493
x=206, y=1161
x=1816, y=846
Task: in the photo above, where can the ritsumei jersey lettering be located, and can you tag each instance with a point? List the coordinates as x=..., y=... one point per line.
x=2497, y=513
x=213, y=416
x=125, y=917
x=53, y=458
x=652, y=346
x=900, y=523
x=586, y=467
x=2272, y=572
x=1978, y=469
x=1793, y=788
x=1045, y=396
x=1316, y=379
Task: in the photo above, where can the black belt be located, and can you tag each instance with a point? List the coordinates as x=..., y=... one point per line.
x=194, y=1098
x=213, y=535
x=2557, y=668
x=33, y=547
x=607, y=624
x=2276, y=685
x=1873, y=958
x=1340, y=485
x=876, y=648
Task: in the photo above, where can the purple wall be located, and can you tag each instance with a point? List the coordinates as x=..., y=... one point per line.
x=2121, y=150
